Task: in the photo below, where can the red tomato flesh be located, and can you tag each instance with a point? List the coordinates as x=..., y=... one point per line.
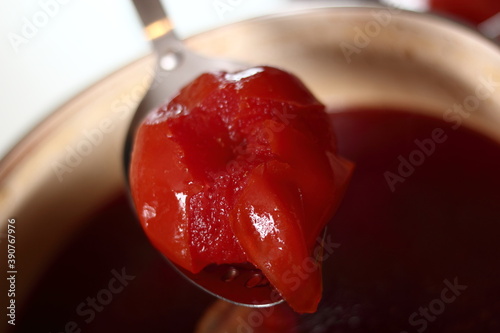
x=241, y=167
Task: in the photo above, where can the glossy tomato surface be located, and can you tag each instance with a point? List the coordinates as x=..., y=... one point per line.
x=241, y=167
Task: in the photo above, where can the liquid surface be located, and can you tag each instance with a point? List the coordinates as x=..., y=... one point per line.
x=399, y=249
x=414, y=246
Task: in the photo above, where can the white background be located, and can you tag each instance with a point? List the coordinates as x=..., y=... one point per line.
x=50, y=50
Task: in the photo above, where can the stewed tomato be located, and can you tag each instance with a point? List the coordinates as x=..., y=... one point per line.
x=241, y=168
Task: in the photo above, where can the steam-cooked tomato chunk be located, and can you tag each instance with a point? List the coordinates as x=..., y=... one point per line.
x=241, y=167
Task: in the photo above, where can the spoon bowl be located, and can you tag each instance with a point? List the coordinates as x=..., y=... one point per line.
x=177, y=66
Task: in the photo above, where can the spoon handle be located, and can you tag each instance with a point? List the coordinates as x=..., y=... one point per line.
x=157, y=25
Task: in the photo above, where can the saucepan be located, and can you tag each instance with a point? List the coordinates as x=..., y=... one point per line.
x=413, y=84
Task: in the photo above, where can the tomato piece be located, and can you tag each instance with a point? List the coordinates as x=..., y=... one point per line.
x=311, y=171
x=241, y=168
x=161, y=197
x=268, y=222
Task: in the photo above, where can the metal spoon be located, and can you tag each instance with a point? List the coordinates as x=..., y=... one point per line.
x=177, y=66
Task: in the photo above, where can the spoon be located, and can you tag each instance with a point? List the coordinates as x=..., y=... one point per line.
x=176, y=66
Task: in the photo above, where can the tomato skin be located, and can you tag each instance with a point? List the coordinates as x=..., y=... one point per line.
x=151, y=192
x=269, y=222
x=241, y=167
x=311, y=171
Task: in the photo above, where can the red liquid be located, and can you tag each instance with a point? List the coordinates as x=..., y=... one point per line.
x=441, y=223
x=474, y=12
x=393, y=251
